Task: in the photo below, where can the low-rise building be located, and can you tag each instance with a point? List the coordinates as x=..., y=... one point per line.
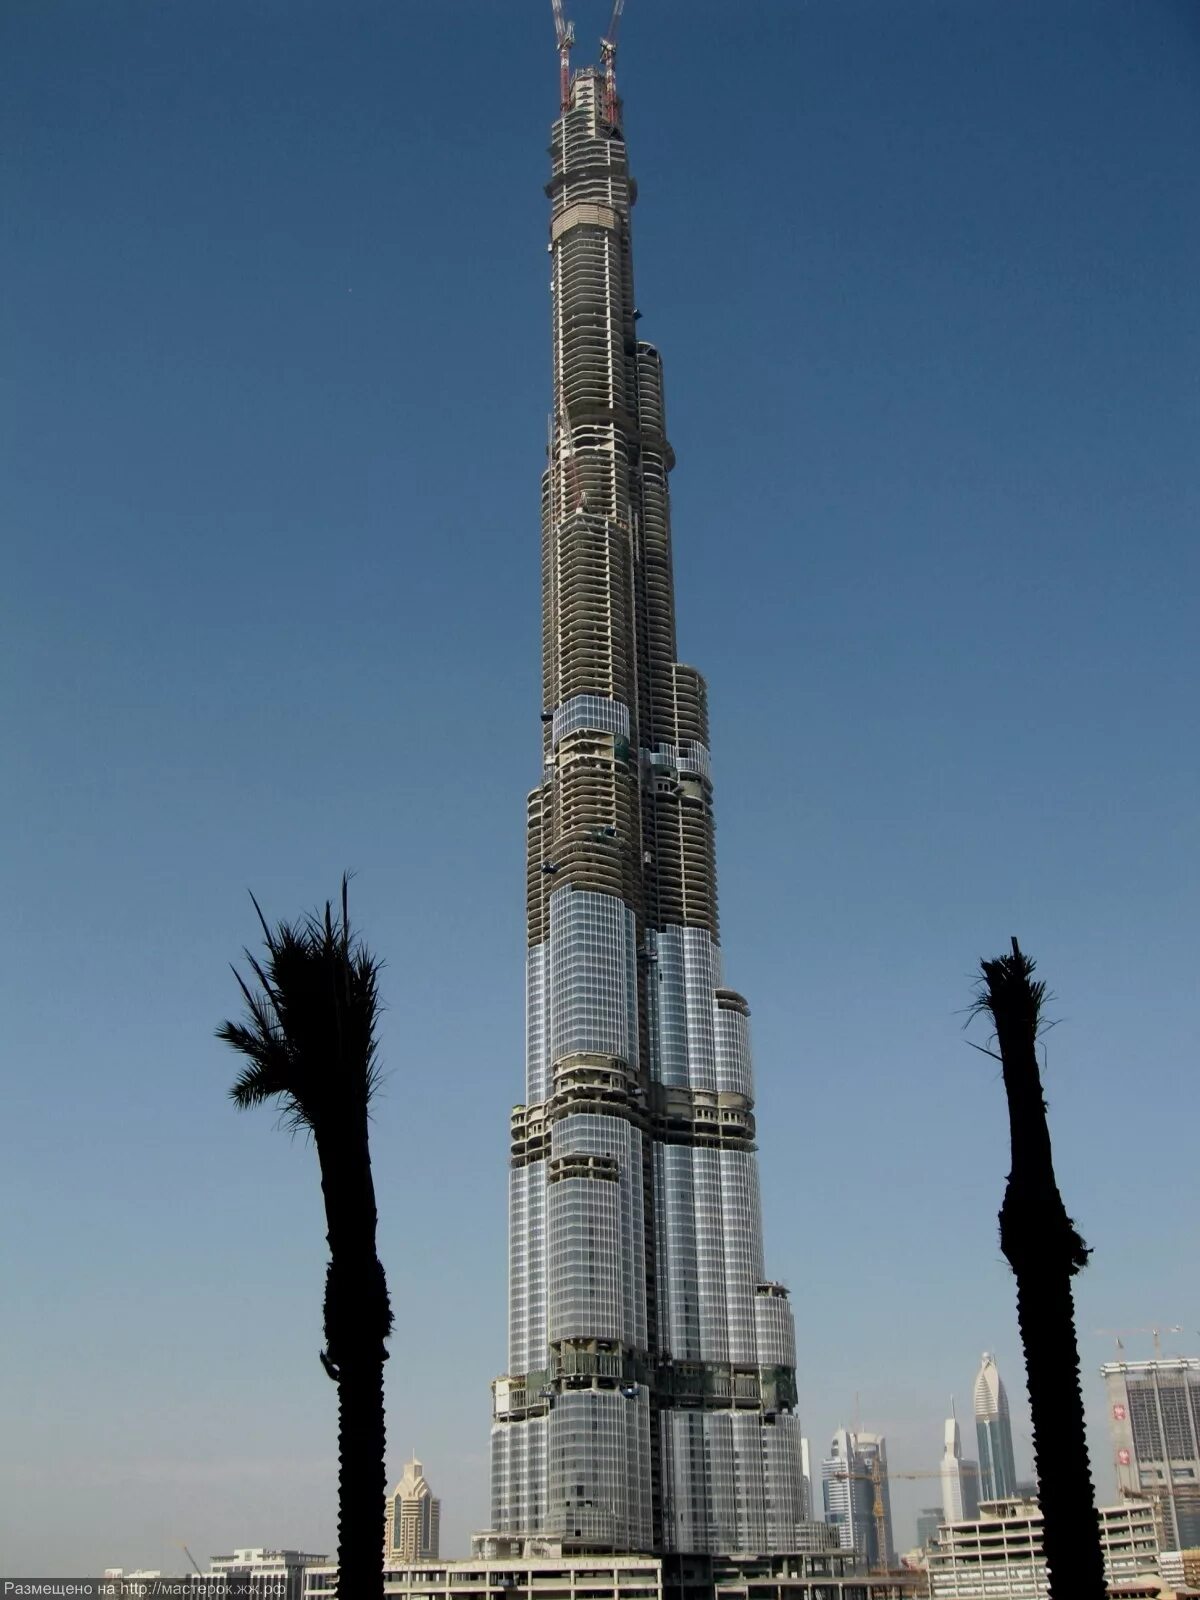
x=257, y=1574
x=998, y=1555
x=320, y=1581
x=817, y=1538
x=1180, y=1568
x=507, y=1567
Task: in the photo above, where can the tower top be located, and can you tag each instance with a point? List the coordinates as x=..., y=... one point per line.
x=564, y=38
x=990, y=1397
x=413, y=1484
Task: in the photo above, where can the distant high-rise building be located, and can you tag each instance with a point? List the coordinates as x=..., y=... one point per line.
x=847, y=1496
x=1154, y=1416
x=872, y=1449
x=855, y=1467
x=806, y=1496
x=997, y=1469
x=960, y=1479
x=928, y=1522
x=413, y=1516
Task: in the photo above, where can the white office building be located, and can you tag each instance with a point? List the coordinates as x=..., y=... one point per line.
x=960, y=1479
x=256, y=1574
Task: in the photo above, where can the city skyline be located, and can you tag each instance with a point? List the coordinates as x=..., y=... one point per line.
x=931, y=377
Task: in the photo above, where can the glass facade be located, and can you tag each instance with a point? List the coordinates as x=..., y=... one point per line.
x=993, y=1430
x=649, y=1401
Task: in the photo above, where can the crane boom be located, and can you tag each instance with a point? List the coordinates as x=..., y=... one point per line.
x=1155, y=1331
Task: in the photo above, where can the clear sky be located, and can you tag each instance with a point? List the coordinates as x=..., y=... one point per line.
x=274, y=385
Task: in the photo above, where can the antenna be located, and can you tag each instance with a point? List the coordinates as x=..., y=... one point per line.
x=608, y=58
x=564, y=33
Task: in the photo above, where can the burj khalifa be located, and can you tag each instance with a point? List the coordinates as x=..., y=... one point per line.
x=649, y=1402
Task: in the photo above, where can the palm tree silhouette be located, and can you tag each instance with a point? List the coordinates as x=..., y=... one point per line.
x=1045, y=1251
x=309, y=1041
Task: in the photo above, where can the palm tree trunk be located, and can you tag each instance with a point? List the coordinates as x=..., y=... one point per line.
x=358, y=1319
x=1045, y=1251
x=1070, y=1525
x=362, y=1485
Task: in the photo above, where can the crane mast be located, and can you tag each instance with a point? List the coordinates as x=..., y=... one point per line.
x=564, y=33
x=608, y=59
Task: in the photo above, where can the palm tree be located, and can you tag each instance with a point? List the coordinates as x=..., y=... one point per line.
x=308, y=1039
x=1045, y=1251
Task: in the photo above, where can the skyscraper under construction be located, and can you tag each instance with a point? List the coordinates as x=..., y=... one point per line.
x=650, y=1397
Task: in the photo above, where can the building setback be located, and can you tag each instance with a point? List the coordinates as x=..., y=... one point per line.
x=649, y=1401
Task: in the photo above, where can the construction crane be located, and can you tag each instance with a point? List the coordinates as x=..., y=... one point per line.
x=1119, y=1333
x=875, y=1478
x=564, y=33
x=608, y=59
x=191, y=1558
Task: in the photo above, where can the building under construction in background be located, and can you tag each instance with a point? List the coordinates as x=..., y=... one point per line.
x=1154, y=1418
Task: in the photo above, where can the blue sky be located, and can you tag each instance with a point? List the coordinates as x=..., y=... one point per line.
x=274, y=393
